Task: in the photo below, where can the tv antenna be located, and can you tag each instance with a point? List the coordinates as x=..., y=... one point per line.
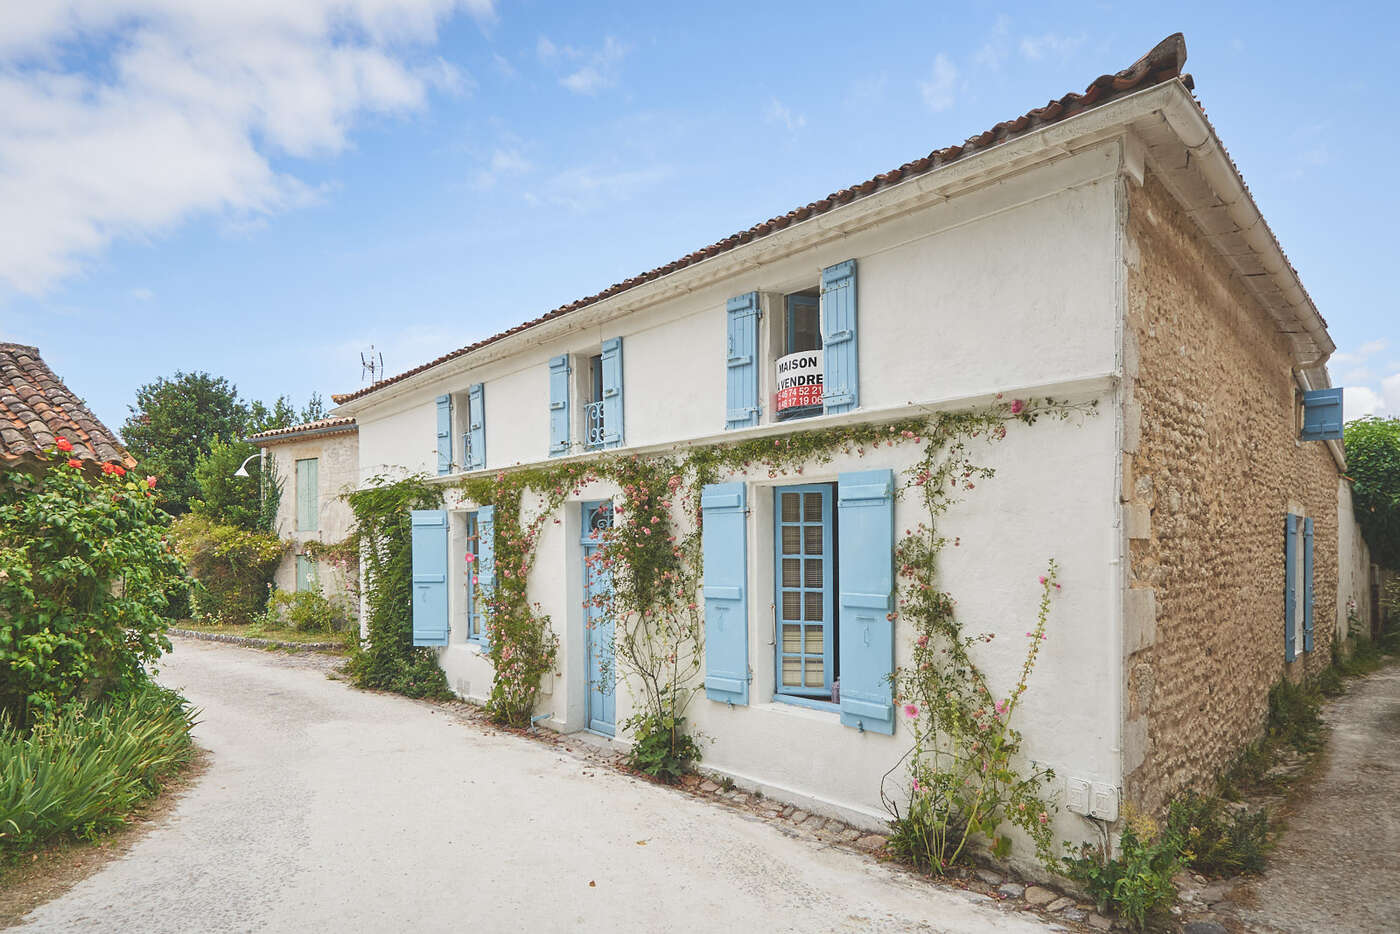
x=371, y=365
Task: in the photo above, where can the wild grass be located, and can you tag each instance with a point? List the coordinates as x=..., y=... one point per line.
x=80, y=772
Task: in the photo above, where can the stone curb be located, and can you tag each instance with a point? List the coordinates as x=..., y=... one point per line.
x=253, y=643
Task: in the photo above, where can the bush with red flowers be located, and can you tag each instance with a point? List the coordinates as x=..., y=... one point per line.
x=84, y=569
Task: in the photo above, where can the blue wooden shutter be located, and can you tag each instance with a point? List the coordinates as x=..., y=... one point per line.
x=1307, y=584
x=842, y=377
x=308, y=495
x=612, y=392
x=444, y=434
x=865, y=550
x=430, y=624
x=476, y=428
x=1322, y=415
x=724, y=540
x=1290, y=597
x=741, y=379
x=559, y=405
x=485, y=564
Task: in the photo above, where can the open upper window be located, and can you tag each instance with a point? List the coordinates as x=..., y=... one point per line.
x=798, y=371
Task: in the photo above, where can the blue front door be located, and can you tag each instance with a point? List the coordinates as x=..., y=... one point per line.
x=598, y=625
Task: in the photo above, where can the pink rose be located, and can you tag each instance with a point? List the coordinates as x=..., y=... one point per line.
x=1017, y=406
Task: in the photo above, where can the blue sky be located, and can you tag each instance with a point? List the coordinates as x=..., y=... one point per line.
x=262, y=190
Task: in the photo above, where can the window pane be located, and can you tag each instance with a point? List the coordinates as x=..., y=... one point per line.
x=812, y=574
x=792, y=638
x=792, y=539
x=816, y=673
x=792, y=606
x=816, y=640
x=792, y=502
x=814, y=606
x=792, y=672
x=792, y=572
x=806, y=328
x=813, y=535
x=813, y=508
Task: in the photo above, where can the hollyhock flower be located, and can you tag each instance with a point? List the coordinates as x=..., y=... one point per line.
x=911, y=711
x=1017, y=406
x=150, y=483
x=63, y=444
x=1042, y=580
x=74, y=462
x=470, y=557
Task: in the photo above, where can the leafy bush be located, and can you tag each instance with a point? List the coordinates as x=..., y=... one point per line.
x=308, y=611
x=661, y=747
x=1216, y=840
x=1137, y=883
x=248, y=502
x=1373, y=464
x=388, y=661
x=84, y=572
x=232, y=565
x=81, y=769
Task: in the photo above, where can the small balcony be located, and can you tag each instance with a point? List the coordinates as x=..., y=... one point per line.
x=593, y=426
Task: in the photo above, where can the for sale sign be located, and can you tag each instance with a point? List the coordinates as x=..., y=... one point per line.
x=799, y=379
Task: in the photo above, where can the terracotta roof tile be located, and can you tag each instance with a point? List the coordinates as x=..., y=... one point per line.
x=325, y=426
x=1162, y=64
x=36, y=409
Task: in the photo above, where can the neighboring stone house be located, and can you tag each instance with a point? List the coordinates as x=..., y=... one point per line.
x=1102, y=249
x=36, y=409
x=313, y=464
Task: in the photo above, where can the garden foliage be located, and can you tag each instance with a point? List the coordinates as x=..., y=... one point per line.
x=233, y=567
x=81, y=768
x=1373, y=464
x=84, y=571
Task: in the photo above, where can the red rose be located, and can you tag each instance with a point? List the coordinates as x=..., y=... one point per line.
x=108, y=468
x=151, y=482
x=119, y=470
x=74, y=462
x=64, y=444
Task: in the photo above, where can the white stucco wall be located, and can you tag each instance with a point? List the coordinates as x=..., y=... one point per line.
x=1010, y=288
x=337, y=473
x=1353, y=565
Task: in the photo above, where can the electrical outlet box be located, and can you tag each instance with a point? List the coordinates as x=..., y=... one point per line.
x=1077, y=795
x=1103, y=802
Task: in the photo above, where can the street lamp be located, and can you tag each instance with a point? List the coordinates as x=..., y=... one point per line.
x=242, y=470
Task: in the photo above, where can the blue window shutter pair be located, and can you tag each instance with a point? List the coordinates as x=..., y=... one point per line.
x=842, y=376
x=475, y=454
x=742, y=408
x=485, y=565
x=444, y=434
x=559, y=405
x=865, y=549
x=612, y=392
x=1322, y=415
x=1290, y=596
x=430, y=622
x=1307, y=584
x=724, y=540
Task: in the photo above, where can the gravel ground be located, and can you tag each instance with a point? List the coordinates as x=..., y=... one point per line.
x=1337, y=867
x=330, y=809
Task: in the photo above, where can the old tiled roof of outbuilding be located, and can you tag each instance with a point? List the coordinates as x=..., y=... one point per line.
x=1162, y=64
x=320, y=427
x=36, y=409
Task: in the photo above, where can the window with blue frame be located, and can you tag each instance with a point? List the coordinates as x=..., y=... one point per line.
x=806, y=659
x=476, y=631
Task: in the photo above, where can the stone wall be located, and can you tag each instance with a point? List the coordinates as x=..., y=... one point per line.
x=1212, y=467
x=337, y=473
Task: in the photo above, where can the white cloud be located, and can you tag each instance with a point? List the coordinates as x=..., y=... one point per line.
x=779, y=113
x=142, y=295
x=182, y=106
x=1358, y=401
x=591, y=70
x=938, y=89
x=1050, y=44
x=503, y=162
x=995, y=50
x=585, y=187
x=1362, y=394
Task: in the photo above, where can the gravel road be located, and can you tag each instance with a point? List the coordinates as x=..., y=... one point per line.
x=331, y=809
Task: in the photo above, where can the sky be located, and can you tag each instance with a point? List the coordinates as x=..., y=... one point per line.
x=263, y=190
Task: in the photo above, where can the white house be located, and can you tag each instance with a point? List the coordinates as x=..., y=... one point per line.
x=1101, y=250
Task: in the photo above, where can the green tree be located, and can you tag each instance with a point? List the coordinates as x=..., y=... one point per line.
x=174, y=422
x=1373, y=462
x=315, y=408
x=229, y=499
